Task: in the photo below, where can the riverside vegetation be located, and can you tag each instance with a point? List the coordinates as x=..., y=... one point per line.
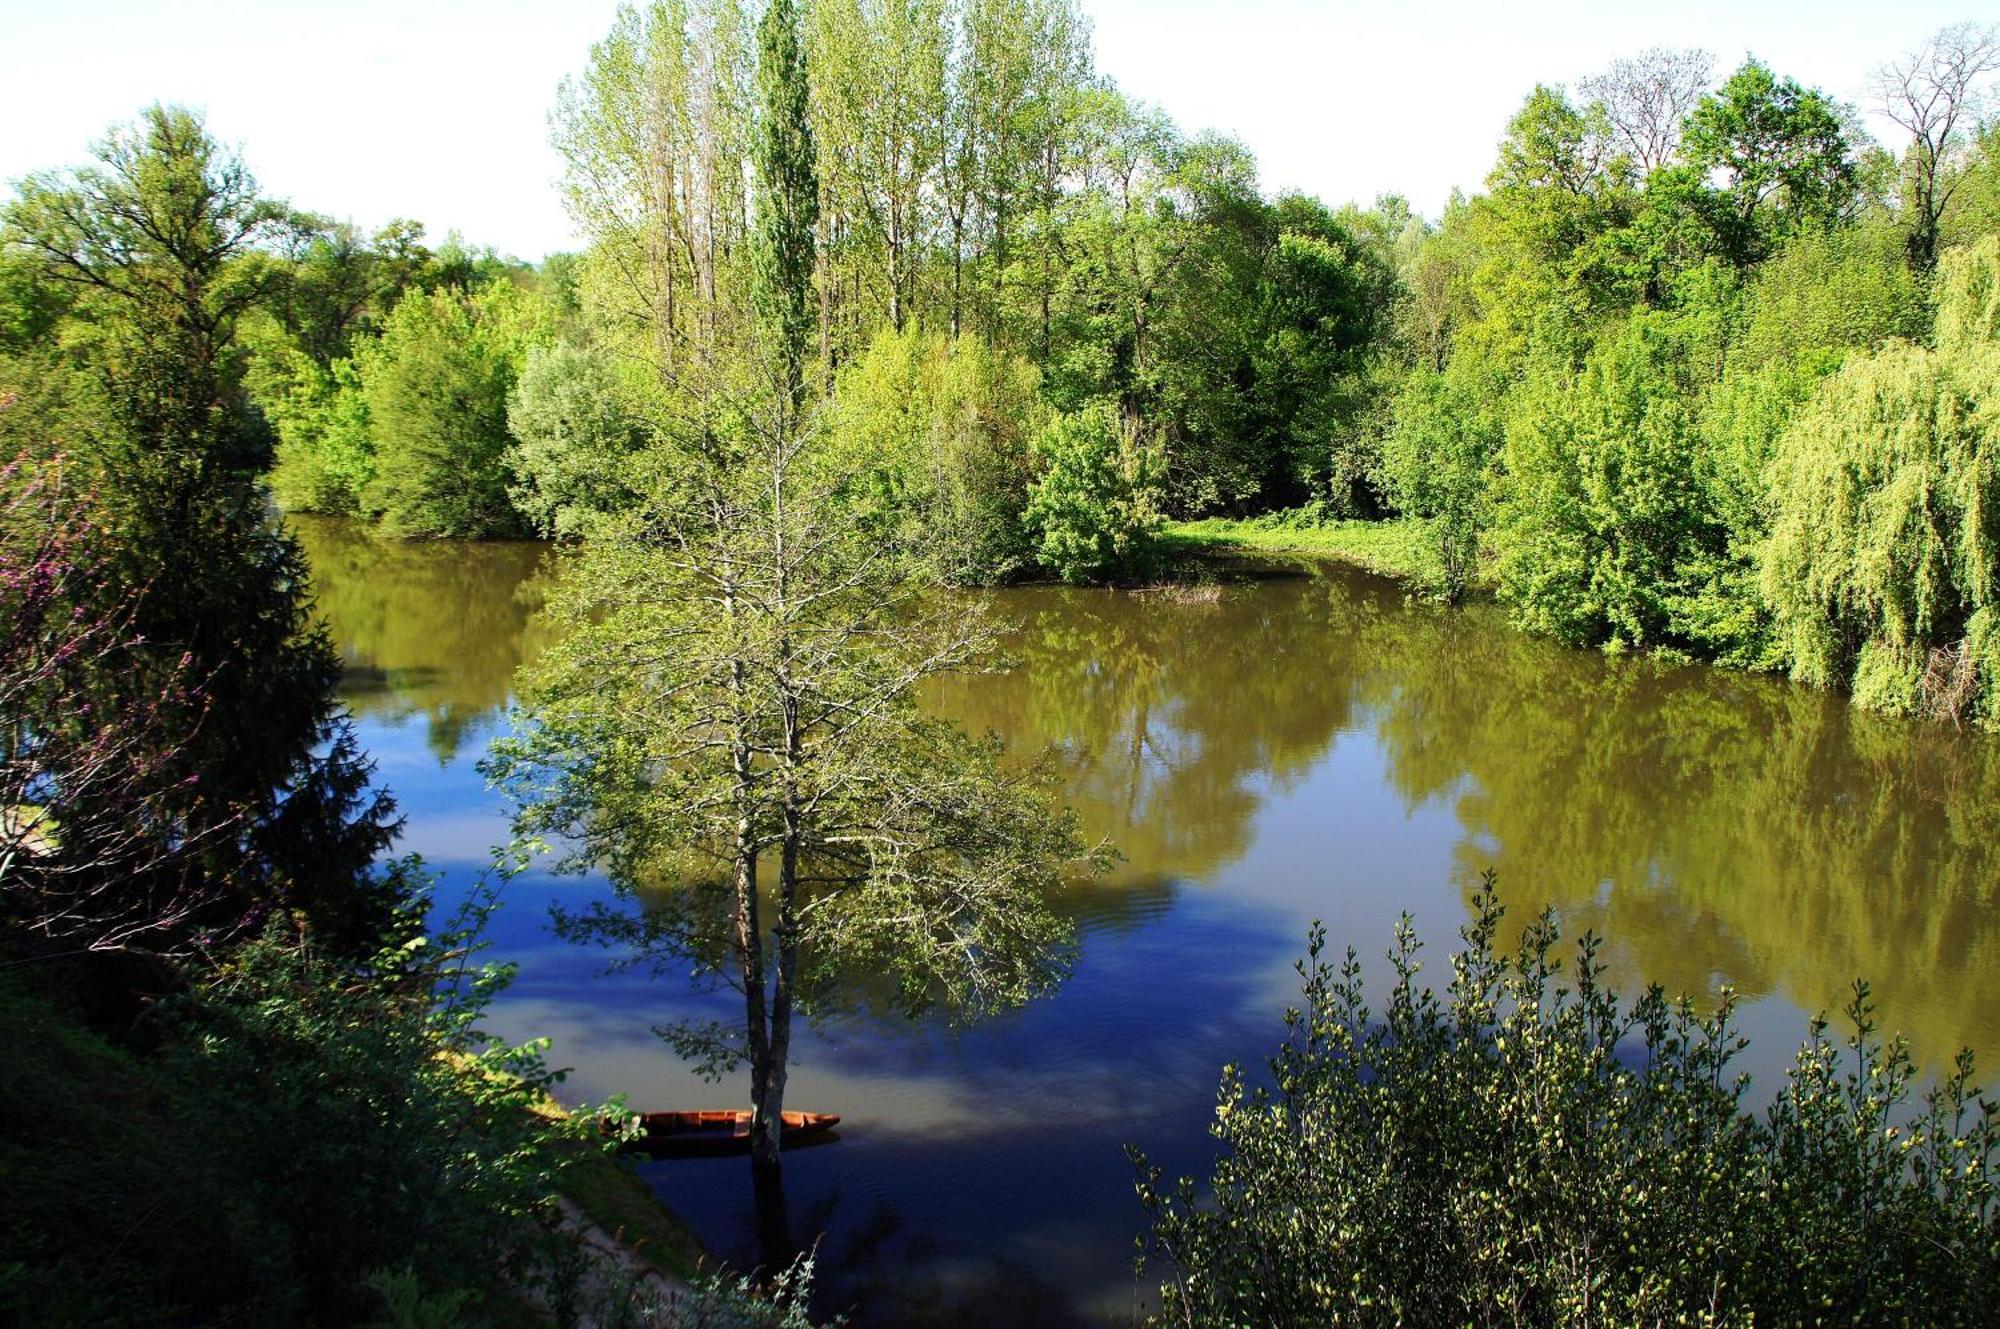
x=1687, y=318
x=899, y=294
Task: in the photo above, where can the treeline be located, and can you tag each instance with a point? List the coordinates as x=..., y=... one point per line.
x=1702, y=371
x=1705, y=372
x=1024, y=282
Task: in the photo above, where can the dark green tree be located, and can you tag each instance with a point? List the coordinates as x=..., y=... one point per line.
x=787, y=198
x=167, y=243
x=1783, y=156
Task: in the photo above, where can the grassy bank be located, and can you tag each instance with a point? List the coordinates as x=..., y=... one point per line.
x=613, y=1197
x=1392, y=548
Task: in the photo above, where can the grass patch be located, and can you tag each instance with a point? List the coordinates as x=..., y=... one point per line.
x=1394, y=548
x=614, y=1198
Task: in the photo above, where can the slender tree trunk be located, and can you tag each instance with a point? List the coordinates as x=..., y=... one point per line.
x=825, y=292
x=749, y=928
x=957, y=270
x=895, y=284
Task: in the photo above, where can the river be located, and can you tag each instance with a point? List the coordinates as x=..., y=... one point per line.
x=1296, y=747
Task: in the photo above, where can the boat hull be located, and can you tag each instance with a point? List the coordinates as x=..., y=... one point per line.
x=720, y=1133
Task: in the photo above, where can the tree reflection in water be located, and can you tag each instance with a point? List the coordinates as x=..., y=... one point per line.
x=1297, y=746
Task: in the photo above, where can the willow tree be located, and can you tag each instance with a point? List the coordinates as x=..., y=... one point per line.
x=730, y=727
x=1883, y=568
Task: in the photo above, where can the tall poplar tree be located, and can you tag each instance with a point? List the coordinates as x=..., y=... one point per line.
x=787, y=201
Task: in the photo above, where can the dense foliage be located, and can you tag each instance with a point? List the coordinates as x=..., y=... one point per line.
x=1573, y=385
x=944, y=429
x=882, y=295
x=1685, y=379
x=353, y=1143
x=160, y=247
x=1091, y=510
x=1525, y=1149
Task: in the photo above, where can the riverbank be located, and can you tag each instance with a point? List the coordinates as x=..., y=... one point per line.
x=1393, y=548
x=618, y=1203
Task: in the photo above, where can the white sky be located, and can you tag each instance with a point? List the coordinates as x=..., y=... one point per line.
x=437, y=109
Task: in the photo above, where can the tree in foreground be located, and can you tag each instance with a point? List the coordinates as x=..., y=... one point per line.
x=1525, y=1149
x=99, y=848
x=731, y=728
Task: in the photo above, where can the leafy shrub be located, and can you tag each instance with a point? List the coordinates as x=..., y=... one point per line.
x=297, y=1125
x=436, y=386
x=1523, y=1149
x=1438, y=460
x=1603, y=514
x=573, y=435
x=1091, y=510
x=1968, y=296
x=945, y=426
x=325, y=457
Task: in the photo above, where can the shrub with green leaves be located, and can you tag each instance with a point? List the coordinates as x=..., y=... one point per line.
x=1603, y=514
x=325, y=457
x=1092, y=509
x=943, y=426
x=573, y=437
x=1438, y=459
x=436, y=387
x=292, y=1125
x=1525, y=1149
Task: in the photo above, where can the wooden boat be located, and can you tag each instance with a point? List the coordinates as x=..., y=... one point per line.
x=727, y=1131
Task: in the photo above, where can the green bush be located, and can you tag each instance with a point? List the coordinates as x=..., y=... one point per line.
x=1438, y=462
x=286, y=1128
x=1091, y=510
x=1525, y=1150
x=573, y=435
x=325, y=457
x=941, y=427
x=436, y=386
x=1603, y=515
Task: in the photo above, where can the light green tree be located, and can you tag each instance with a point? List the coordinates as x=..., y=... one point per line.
x=1883, y=568
x=943, y=429
x=1603, y=512
x=325, y=459
x=729, y=725
x=1092, y=510
x=879, y=87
